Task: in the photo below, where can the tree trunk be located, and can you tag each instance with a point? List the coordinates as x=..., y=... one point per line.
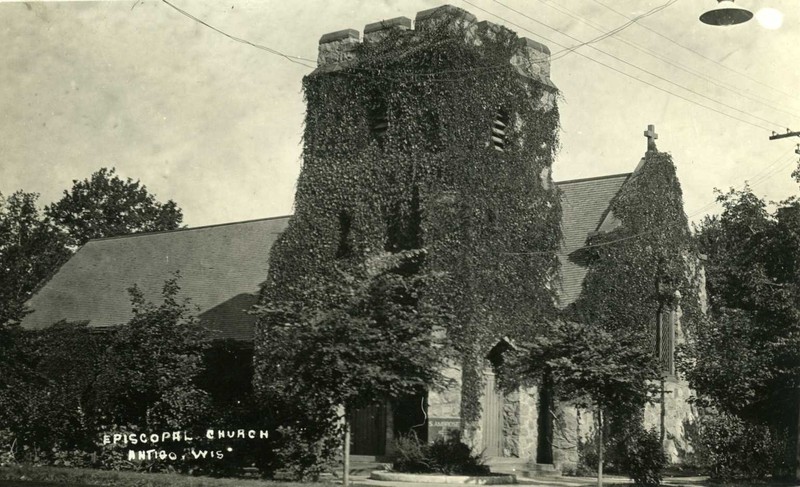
x=599, y=447
x=346, y=449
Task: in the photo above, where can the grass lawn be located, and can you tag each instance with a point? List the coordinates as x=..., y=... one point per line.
x=128, y=479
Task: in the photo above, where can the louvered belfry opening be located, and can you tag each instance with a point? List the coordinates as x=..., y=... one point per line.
x=499, y=126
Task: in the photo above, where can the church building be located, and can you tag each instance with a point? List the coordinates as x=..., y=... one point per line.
x=436, y=135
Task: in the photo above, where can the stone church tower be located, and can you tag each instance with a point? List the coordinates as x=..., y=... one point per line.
x=437, y=136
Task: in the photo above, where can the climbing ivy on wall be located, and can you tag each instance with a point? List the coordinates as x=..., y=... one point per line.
x=488, y=220
x=638, y=267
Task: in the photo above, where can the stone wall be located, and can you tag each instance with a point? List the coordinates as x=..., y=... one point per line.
x=572, y=428
x=528, y=423
x=678, y=414
x=511, y=420
x=531, y=60
x=444, y=407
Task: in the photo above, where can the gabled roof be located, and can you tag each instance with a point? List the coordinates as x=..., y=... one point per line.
x=221, y=268
x=584, y=207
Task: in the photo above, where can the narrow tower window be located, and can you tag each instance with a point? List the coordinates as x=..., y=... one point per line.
x=378, y=121
x=345, y=248
x=667, y=352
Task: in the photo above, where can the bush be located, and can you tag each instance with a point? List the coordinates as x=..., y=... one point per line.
x=411, y=456
x=448, y=456
x=732, y=449
x=641, y=456
x=298, y=454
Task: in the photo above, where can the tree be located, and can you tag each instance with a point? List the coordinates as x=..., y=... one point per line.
x=107, y=206
x=353, y=342
x=607, y=371
x=30, y=249
x=45, y=404
x=147, y=375
x=747, y=356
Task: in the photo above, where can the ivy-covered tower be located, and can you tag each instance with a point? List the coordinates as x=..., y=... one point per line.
x=438, y=137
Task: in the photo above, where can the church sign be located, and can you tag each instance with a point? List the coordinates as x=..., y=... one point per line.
x=441, y=427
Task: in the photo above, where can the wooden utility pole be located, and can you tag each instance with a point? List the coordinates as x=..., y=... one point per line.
x=776, y=136
x=789, y=133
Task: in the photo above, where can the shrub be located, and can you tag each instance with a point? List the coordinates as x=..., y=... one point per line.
x=641, y=456
x=411, y=456
x=449, y=456
x=298, y=454
x=732, y=449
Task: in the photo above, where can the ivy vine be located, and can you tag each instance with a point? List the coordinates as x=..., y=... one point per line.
x=398, y=156
x=652, y=263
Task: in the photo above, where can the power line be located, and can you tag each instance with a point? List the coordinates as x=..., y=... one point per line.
x=733, y=117
x=616, y=30
x=738, y=91
x=647, y=232
x=640, y=68
x=298, y=59
x=294, y=59
x=759, y=174
x=694, y=51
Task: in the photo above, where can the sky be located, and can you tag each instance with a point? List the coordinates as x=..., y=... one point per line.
x=216, y=125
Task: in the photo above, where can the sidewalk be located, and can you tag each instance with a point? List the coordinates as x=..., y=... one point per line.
x=365, y=481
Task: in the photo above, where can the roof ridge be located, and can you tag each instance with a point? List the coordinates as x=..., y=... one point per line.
x=202, y=227
x=594, y=178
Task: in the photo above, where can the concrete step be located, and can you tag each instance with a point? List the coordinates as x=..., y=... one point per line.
x=364, y=464
x=541, y=470
x=507, y=465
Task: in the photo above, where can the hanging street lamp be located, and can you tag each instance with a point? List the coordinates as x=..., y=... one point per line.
x=726, y=13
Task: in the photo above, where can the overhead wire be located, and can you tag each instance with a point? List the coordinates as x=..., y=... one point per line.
x=633, y=65
x=295, y=59
x=667, y=38
x=765, y=171
x=619, y=29
x=647, y=232
x=736, y=90
x=608, y=66
x=298, y=60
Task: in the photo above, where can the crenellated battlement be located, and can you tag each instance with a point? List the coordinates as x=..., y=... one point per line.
x=336, y=49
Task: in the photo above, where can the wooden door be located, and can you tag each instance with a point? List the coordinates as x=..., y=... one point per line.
x=368, y=431
x=492, y=426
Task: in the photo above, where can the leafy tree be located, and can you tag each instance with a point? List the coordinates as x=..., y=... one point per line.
x=748, y=355
x=46, y=406
x=30, y=249
x=140, y=375
x=357, y=341
x=607, y=371
x=147, y=375
x=107, y=206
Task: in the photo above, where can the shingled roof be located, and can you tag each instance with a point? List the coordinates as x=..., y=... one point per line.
x=584, y=207
x=223, y=266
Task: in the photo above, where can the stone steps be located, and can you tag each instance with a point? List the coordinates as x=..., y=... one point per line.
x=364, y=464
x=522, y=467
